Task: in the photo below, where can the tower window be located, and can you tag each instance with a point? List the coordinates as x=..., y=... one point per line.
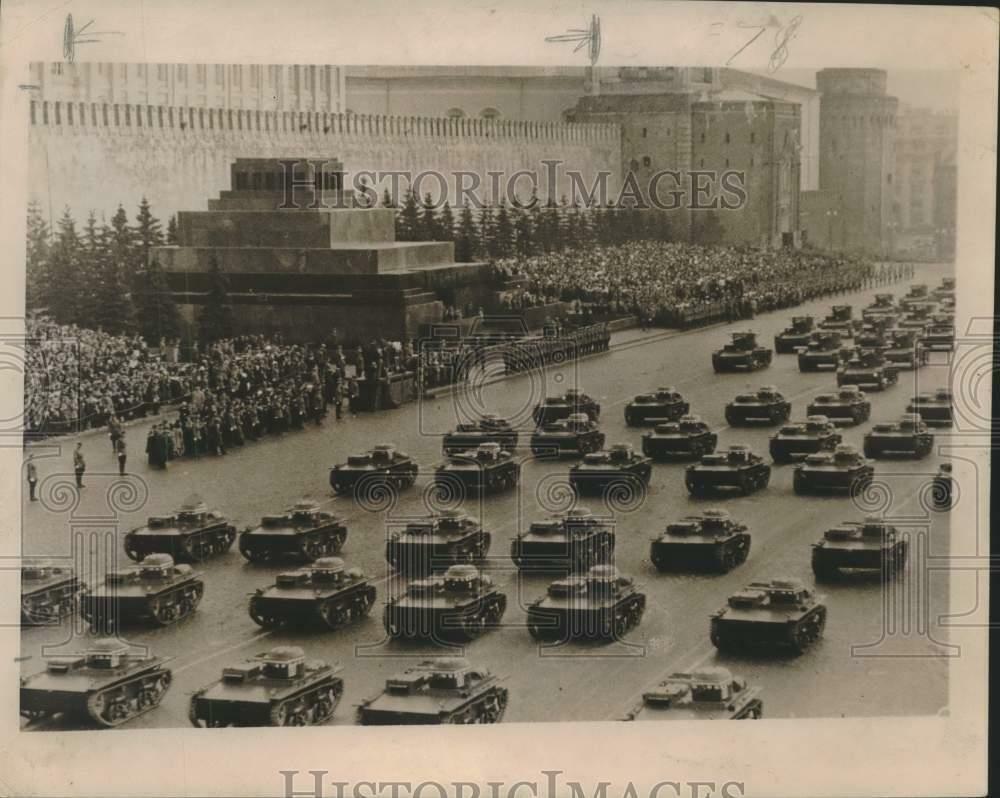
x=633, y=165
x=702, y=138
x=644, y=132
x=490, y=113
x=753, y=138
x=456, y=113
x=647, y=161
x=727, y=138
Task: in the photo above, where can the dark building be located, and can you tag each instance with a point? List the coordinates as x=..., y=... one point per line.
x=857, y=155
x=304, y=271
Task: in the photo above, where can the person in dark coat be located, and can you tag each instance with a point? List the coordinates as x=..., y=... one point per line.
x=32, y=478
x=79, y=465
x=122, y=455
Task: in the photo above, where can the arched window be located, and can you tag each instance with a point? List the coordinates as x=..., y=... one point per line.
x=490, y=113
x=456, y=113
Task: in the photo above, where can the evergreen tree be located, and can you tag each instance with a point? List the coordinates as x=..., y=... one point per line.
x=113, y=284
x=503, y=237
x=487, y=245
x=148, y=234
x=550, y=224
x=466, y=239
x=408, y=218
x=93, y=257
x=215, y=321
x=537, y=224
x=446, y=223
x=39, y=286
x=428, y=225
x=154, y=305
x=387, y=200
x=172, y=229
x=64, y=271
x=524, y=233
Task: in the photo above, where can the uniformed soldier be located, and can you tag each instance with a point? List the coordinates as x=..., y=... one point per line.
x=122, y=455
x=79, y=465
x=32, y=478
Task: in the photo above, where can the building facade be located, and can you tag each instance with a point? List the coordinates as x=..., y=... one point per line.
x=858, y=156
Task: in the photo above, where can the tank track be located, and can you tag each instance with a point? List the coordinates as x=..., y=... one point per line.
x=298, y=710
x=487, y=708
x=54, y=611
x=125, y=700
x=208, y=543
x=333, y=614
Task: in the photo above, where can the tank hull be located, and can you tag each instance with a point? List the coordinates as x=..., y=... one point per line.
x=847, y=415
x=821, y=481
x=271, y=609
x=792, y=634
x=562, y=556
x=679, y=447
x=786, y=450
x=109, y=607
x=410, y=620
x=711, y=554
x=48, y=602
x=425, y=557
x=183, y=545
x=457, y=442
x=701, y=481
x=828, y=561
x=350, y=480
x=311, y=702
x=641, y=414
x=487, y=706
x=543, y=445
x=600, y=622
x=307, y=544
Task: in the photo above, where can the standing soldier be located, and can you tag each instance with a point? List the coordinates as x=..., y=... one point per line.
x=122, y=455
x=79, y=465
x=338, y=398
x=32, y=478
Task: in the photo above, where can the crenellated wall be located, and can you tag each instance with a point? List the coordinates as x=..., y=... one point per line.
x=93, y=155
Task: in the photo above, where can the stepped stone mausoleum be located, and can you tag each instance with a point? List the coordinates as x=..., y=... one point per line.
x=316, y=263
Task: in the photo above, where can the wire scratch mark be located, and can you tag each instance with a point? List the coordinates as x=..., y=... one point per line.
x=71, y=37
x=585, y=37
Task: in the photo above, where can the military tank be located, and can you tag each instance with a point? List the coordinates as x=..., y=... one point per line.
x=709, y=540
x=737, y=467
x=905, y=350
x=884, y=306
x=847, y=406
x=841, y=320
x=277, y=688
x=852, y=546
x=767, y=405
x=824, y=349
x=49, y=593
x=557, y=407
x=705, y=694
x=781, y=613
x=156, y=591
x=599, y=605
x=663, y=404
x=458, y=606
x=107, y=684
x=741, y=354
x=868, y=368
x=490, y=428
x=688, y=438
x=918, y=318
x=873, y=335
x=918, y=294
x=327, y=595
x=570, y=543
x=610, y=469
x=794, y=335
x=909, y=436
x=793, y=441
x=842, y=471
x=485, y=469
x=939, y=335
x=446, y=690
x=382, y=466
x=303, y=531
x=945, y=290
x=934, y=407
x=576, y=434
x=192, y=534
x=436, y=542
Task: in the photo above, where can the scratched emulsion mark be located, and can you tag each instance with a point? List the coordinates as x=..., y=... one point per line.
x=72, y=36
x=589, y=37
x=783, y=34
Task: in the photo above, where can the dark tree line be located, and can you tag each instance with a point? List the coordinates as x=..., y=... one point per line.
x=102, y=277
x=502, y=230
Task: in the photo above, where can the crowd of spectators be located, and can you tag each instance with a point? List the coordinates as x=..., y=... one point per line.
x=239, y=389
x=668, y=282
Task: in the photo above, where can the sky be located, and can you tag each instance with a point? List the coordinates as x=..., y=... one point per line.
x=934, y=89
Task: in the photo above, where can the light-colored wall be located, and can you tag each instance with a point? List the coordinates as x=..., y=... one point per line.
x=95, y=166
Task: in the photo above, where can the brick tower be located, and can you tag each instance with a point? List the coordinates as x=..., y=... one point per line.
x=857, y=153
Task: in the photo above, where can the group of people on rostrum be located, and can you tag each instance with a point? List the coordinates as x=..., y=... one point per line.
x=679, y=285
